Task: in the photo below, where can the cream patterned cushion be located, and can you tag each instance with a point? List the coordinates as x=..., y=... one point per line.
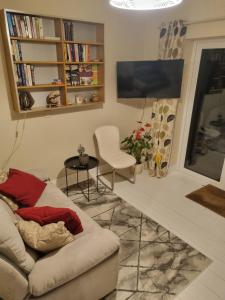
x=44, y=238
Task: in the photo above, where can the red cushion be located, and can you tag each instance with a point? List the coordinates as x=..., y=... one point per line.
x=46, y=215
x=25, y=188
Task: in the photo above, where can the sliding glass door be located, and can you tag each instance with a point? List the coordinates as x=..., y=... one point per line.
x=205, y=147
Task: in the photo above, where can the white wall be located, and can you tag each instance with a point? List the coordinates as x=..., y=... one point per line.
x=49, y=139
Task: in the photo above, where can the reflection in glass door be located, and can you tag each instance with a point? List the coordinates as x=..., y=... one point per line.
x=206, y=143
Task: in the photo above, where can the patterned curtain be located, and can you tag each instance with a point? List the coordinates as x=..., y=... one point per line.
x=172, y=37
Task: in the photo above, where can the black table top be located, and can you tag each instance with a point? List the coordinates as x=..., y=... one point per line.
x=73, y=163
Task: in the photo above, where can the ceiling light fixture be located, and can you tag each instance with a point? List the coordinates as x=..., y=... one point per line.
x=144, y=4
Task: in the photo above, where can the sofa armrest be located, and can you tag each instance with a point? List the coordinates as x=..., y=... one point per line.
x=74, y=259
x=13, y=282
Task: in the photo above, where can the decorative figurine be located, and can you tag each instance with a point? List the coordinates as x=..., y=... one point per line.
x=83, y=157
x=53, y=99
x=26, y=100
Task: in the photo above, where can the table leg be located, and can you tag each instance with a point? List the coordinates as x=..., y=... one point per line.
x=67, y=190
x=97, y=178
x=77, y=179
x=88, y=184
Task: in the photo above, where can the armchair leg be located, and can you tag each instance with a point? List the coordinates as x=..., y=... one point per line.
x=114, y=173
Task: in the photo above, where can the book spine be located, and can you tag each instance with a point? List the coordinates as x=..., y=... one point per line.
x=77, y=53
x=94, y=74
x=20, y=56
x=10, y=25
x=29, y=27
x=71, y=31
x=19, y=25
x=41, y=30
x=14, y=25
x=34, y=27
x=26, y=26
x=22, y=24
x=29, y=75
x=13, y=50
x=22, y=74
x=19, y=33
x=68, y=53
x=37, y=27
x=16, y=74
x=32, y=74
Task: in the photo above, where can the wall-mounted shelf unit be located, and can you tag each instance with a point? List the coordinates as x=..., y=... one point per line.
x=46, y=53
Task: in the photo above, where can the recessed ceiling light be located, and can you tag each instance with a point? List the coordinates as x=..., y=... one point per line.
x=144, y=4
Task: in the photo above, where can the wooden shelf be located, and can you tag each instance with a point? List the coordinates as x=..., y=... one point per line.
x=40, y=86
x=84, y=43
x=83, y=87
x=85, y=63
x=86, y=33
x=68, y=106
x=47, y=41
x=31, y=62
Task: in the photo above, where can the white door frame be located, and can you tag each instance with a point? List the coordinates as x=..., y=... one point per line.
x=188, y=108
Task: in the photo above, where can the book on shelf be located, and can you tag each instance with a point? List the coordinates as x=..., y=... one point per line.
x=16, y=50
x=68, y=30
x=25, y=26
x=84, y=74
x=77, y=53
x=24, y=75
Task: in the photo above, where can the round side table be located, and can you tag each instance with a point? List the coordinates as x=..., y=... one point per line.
x=73, y=163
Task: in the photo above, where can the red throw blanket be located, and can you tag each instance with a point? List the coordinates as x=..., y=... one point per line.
x=46, y=215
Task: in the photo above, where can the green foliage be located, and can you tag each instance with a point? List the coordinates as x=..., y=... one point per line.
x=138, y=145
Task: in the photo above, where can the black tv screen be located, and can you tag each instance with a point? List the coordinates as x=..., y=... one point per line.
x=149, y=79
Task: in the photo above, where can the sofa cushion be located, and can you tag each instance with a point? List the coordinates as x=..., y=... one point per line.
x=11, y=243
x=23, y=187
x=46, y=215
x=44, y=238
x=54, y=197
x=74, y=259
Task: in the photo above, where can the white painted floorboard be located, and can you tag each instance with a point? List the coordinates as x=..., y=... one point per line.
x=164, y=201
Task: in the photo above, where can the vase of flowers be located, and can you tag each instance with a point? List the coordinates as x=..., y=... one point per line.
x=138, y=145
x=83, y=157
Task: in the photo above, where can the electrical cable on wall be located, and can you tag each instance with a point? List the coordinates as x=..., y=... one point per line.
x=15, y=147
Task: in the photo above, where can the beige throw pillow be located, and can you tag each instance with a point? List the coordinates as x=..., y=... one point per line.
x=44, y=238
x=9, y=202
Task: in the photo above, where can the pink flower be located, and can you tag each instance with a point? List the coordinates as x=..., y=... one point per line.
x=141, y=129
x=138, y=135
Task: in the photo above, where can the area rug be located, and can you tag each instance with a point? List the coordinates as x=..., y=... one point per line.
x=211, y=197
x=154, y=263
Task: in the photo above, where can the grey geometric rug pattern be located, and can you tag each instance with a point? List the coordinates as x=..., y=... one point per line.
x=154, y=263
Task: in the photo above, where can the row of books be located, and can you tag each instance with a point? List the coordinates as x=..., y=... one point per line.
x=16, y=50
x=77, y=53
x=24, y=75
x=68, y=29
x=25, y=26
x=82, y=75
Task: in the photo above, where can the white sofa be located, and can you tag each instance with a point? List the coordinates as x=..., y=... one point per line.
x=85, y=269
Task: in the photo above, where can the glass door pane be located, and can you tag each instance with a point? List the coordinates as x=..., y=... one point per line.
x=206, y=143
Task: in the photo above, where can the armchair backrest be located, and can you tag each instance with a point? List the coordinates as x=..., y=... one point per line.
x=108, y=139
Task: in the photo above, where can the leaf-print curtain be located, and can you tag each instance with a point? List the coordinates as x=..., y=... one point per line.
x=172, y=37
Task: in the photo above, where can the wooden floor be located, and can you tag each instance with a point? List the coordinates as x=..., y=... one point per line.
x=164, y=201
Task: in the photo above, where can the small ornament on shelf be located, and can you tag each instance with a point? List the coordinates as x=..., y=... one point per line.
x=26, y=100
x=83, y=157
x=53, y=99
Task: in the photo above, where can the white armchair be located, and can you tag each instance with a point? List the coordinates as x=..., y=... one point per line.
x=108, y=140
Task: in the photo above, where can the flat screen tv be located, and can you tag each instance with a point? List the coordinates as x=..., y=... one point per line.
x=149, y=79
